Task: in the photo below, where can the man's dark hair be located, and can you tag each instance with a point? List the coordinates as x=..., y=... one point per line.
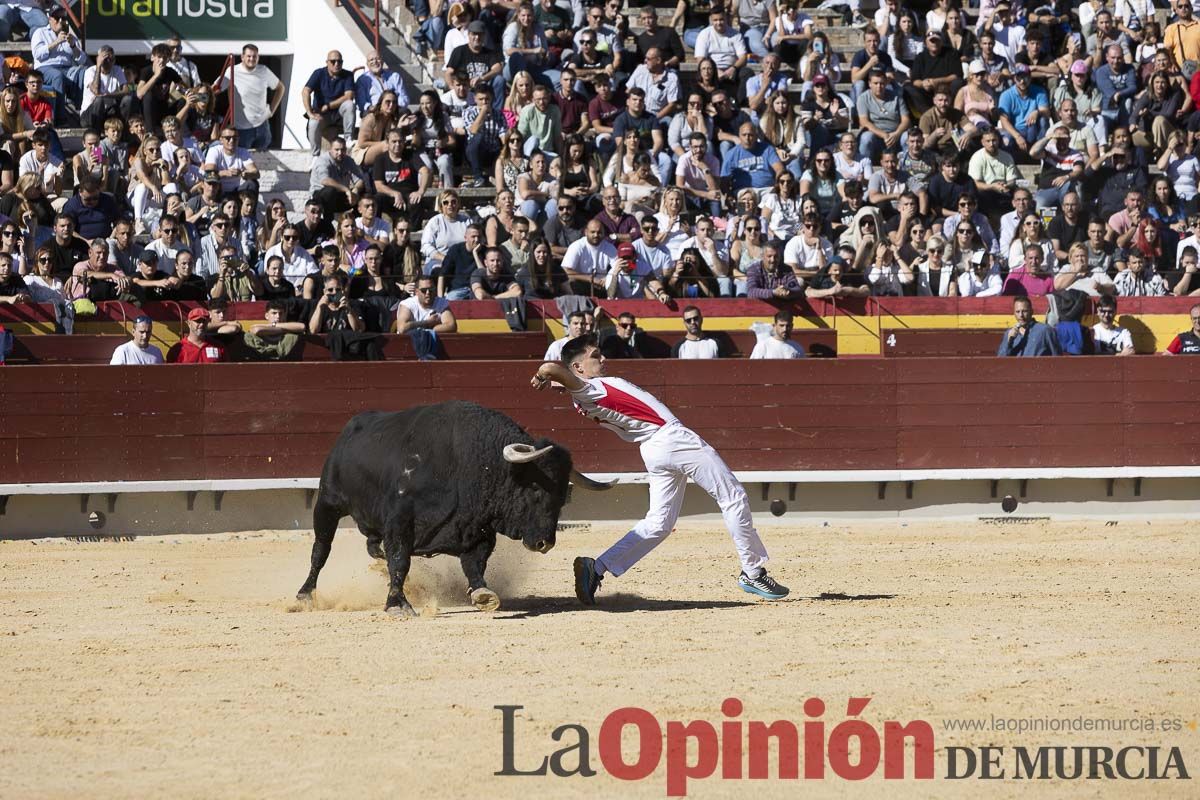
x=698, y=136
x=40, y=136
x=574, y=349
x=273, y=259
x=251, y=47
x=626, y=315
x=638, y=91
x=487, y=250
x=374, y=247
x=218, y=304
x=330, y=250
x=276, y=305
x=337, y=276
x=784, y=316
x=686, y=309
x=60, y=217
x=1022, y=299
x=161, y=50
x=89, y=185
x=575, y=315
x=220, y=216
x=36, y=73
x=1107, y=301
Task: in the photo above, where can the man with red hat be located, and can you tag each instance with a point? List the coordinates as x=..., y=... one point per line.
x=196, y=348
x=633, y=277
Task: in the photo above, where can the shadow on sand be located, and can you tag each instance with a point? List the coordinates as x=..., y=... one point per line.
x=623, y=603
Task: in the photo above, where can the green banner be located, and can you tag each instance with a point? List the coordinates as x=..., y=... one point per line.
x=194, y=20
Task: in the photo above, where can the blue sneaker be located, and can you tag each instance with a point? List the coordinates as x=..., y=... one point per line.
x=587, y=581
x=763, y=586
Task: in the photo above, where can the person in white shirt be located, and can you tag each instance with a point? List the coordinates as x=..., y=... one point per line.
x=723, y=45
x=578, y=323
x=424, y=310
x=297, y=262
x=188, y=74
x=106, y=91
x=660, y=84
x=695, y=344
x=234, y=165
x=982, y=280
x=139, y=351
x=252, y=111
x=1110, y=338
x=588, y=259
x=443, y=230
x=631, y=277
x=779, y=344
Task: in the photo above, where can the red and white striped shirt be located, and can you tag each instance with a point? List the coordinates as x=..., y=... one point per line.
x=625, y=409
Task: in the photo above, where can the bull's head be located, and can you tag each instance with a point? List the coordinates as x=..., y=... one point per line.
x=546, y=471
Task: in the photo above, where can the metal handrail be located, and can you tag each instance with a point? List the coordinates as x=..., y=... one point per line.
x=77, y=21
x=230, y=63
x=373, y=27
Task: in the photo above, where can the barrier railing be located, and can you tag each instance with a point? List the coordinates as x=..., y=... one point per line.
x=371, y=25
x=230, y=63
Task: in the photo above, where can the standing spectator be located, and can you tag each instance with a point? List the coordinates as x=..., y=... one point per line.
x=59, y=56
x=695, y=344
x=1028, y=337
x=328, y=97
x=1182, y=37
x=1110, y=339
x=1188, y=342
x=138, y=351
x=252, y=111
x=336, y=181
x=779, y=344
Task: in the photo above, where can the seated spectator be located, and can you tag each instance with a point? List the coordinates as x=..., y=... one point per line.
x=425, y=311
x=236, y=282
x=576, y=171
x=400, y=175
x=625, y=340
x=274, y=285
x=234, y=165
x=537, y=189
x=1028, y=337
x=888, y=276
x=436, y=139
x=31, y=15
x=190, y=286
x=328, y=264
x=443, y=229
x=336, y=181
x=1031, y=233
x=933, y=274
x=1079, y=274
x=335, y=311
x=883, y=117
x=496, y=226
x=1188, y=342
x=459, y=265
x=1024, y=111
x=208, y=250
x=59, y=56
x=196, y=347
x=43, y=286
x=328, y=98
x=1032, y=278
x=66, y=249
x=776, y=279
x=375, y=81
x=695, y=344
x=149, y=180
x=89, y=162
x=751, y=163
x=652, y=139
x=92, y=212
x=1110, y=339
x=632, y=274
x=936, y=68
x=493, y=281
x=106, y=91
x=485, y=130
x=1136, y=280
x=587, y=260
x=578, y=324
x=481, y=64
x=149, y=283
x=13, y=289
x=1062, y=166
x=138, y=351
x=691, y=275
x=274, y=339
x=994, y=173
x=820, y=61
x=41, y=162
x=808, y=251
x=724, y=46
x=1187, y=277
x=779, y=344
x=296, y=262
x=542, y=276
x=981, y=278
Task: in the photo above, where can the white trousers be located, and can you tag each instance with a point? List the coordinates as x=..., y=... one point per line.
x=672, y=455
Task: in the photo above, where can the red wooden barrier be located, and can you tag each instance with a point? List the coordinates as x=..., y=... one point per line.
x=90, y=423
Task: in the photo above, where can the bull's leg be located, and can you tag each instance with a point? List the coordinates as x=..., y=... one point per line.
x=398, y=547
x=325, y=520
x=474, y=563
x=374, y=542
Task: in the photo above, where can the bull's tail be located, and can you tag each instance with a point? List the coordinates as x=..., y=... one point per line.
x=325, y=522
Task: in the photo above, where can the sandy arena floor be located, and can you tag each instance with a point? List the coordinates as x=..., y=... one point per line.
x=180, y=667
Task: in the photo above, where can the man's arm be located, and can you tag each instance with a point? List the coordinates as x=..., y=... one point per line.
x=550, y=371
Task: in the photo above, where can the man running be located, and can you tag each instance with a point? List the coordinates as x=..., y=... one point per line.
x=672, y=453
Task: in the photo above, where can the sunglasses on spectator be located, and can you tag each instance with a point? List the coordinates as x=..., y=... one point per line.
x=215, y=225
x=8, y=233
x=335, y=61
x=424, y=289
x=291, y=238
x=967, y=231
x=625, y=325
x=43, y=260
x=167, y=230
x=753, y=228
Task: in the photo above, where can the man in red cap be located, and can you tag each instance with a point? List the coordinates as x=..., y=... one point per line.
x=633, y=277
x=195, y=348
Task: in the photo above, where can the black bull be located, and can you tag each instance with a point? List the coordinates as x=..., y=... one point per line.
x=441, y=479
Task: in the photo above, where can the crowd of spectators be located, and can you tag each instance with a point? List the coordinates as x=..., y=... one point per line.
x=732, y=151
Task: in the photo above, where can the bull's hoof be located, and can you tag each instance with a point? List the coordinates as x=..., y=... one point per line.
x=485, y=599
x=305, y=599
x=403, y=611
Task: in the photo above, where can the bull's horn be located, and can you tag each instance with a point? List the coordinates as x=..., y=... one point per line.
x=587, y=483
x=522, y=453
